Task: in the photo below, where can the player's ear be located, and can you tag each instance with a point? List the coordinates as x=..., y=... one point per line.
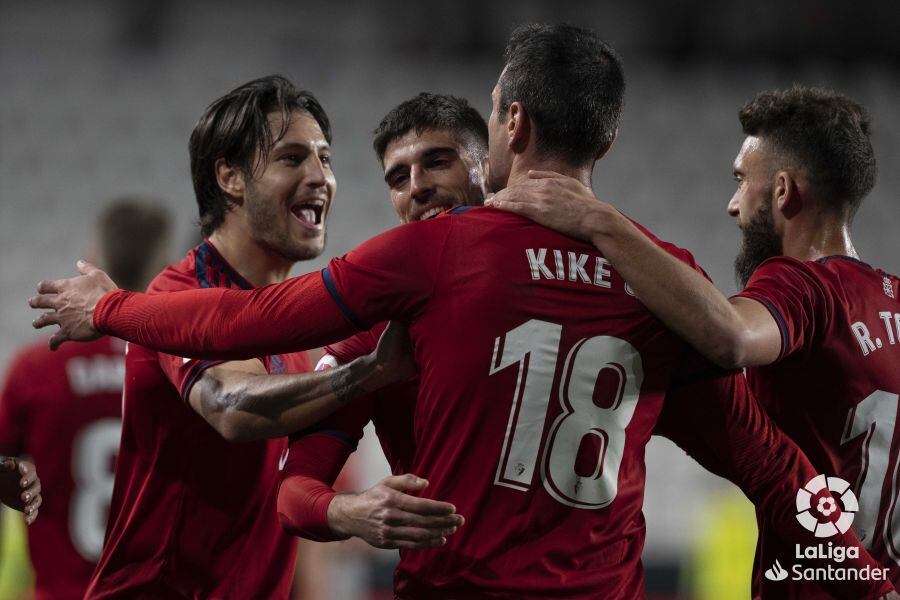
x=518, y=127
x=230, y=179
x=787, y=196
x=611, y=142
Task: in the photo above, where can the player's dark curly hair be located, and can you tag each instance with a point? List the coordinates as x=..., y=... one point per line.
x=434, y=111
x=825, y=134
x=236, y=128
x=571, y=84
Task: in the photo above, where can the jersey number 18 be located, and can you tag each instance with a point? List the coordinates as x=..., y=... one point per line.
x=594, y=415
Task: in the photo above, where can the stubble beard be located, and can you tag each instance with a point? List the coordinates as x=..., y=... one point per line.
x=268, y=229
x=760, y=242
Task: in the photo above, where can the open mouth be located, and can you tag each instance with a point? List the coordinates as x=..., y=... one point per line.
x=310, y=214
x=432, y=212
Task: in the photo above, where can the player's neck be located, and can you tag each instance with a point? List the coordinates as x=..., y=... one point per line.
x=519, y=171
x=818, y=236
x=255, y=263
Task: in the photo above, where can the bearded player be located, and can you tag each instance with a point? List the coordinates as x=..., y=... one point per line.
x=499, y=308
x=817, y=327
x=188, y=503
x=64, y=410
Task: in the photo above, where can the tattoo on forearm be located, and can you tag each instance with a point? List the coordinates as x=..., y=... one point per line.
x=344, y=386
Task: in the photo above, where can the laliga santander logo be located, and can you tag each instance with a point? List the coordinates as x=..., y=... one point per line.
x=819, y=513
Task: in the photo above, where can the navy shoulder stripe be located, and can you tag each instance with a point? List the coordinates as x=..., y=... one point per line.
x=459, y=210
x=195, y=373
x=782, y=324
x=336, y=296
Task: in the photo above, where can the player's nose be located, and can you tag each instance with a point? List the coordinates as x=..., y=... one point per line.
x=314, y=176
x=421, y=187
x=734, y=206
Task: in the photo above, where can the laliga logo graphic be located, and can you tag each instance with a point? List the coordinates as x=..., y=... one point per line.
x=819, y=513
x=776, y=572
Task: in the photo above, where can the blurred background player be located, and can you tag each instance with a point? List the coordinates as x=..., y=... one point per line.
x=433, y=151
x=818, y=328
x=63, y=410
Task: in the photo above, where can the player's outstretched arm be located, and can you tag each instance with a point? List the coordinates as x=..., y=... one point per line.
x=20, y=487
x=243, y=402
x=215, y=323
x=736, y=332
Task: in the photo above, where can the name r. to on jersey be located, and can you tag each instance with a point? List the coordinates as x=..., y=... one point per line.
x=870, y=340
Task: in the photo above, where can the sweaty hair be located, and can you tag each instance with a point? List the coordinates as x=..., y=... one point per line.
x=430, y=112
x=133, y=234
x=236, y=128
x=571, y=84
x=821, y=132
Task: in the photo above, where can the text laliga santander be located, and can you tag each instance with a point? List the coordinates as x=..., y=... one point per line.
x=837, y=554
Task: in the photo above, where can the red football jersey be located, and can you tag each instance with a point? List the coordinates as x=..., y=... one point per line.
x=834, y=389
x=192, y=515
x=541, y=380
x=64, y=409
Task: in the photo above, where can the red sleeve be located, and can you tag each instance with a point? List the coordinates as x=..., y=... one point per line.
x=390, y=276
x=720, y=424
x=314, y=462
x=220, y=323
x=14, y=397
x=183, y=373
x=796, y=298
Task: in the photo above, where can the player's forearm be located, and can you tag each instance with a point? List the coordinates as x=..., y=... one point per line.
x=226, y=324
x=245, y=407
x=675, y=293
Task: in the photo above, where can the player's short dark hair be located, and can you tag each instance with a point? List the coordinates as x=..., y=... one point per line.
x=571, y=84
x=821, y=132
x=430, y=112
x=236, y=128
x=133, y=233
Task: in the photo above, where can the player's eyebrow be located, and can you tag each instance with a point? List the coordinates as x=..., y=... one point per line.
x=393, y=171
x=431, y=152
x=316, y=146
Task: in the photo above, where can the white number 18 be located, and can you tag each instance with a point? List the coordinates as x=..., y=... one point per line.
x=534, y=347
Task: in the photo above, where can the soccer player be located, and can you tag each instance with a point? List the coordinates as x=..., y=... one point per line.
x=534, y=407
x=817, y=327
x=64, y=410
x=193, y=514
x=433, y=150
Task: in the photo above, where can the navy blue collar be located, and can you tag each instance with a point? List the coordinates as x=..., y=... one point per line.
x=823, y=261
x=214, y=271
